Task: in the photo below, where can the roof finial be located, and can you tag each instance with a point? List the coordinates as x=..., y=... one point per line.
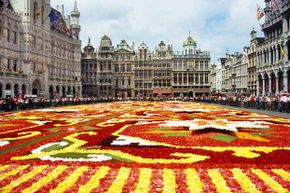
x=189, y=33
x=75, y=6
x=89, y=43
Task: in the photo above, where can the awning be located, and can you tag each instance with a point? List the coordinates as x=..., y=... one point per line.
x=162, y=92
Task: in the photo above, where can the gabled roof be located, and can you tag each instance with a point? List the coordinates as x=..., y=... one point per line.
x=123, y=45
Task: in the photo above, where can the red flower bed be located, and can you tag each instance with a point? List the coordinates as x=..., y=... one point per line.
x=164, y=144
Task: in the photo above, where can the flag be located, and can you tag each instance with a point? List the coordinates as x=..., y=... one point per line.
x=65, y=28
x=53, y=16
x=260, y=12
x=283, y=53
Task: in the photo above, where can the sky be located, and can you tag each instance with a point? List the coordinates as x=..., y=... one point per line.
x=217, y=26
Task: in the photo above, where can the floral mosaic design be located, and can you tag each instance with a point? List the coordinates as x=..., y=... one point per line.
x=143, y=147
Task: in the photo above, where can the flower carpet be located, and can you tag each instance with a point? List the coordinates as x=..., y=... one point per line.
x=143, y=147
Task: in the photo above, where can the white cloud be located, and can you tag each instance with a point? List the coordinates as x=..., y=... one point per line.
x=216, y=25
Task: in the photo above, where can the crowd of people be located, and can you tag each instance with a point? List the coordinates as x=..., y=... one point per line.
x=27, y=103
x=279, y=103
x=272, y=103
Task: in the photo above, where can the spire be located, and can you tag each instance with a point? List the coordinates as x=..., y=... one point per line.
x=75, y=6
x=89, y=43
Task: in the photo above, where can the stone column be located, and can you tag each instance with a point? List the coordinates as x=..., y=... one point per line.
x=264, y=85
x=277, y=83
x=277, y=55
x=258, y=87
x=263, y=59
x=285, y=81
x=269, y=56
x=285, y=30
x=260, y=60
x=274, y=55
x=270, y=85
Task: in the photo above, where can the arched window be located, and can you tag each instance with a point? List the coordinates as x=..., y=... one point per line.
x=14, y=65
x=35, y=9
x=42, y=15
x=8, y=32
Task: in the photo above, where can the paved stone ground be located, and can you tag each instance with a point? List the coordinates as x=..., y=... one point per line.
x=272, y=113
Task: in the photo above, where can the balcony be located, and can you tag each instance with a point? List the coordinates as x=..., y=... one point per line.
x=15, y=75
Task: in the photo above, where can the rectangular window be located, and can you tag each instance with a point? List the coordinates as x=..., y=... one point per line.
x=14, y=37
x=179, y=65
x=122, y=67
x=175, y=79
x=196, y=79
x=201, y=79
x=185, y=79
x=201, y=65
x=196, y=65
x=180, y=79
x=117, y=68
x=8, y=35
x=190, y=78
x=206, y=78
x=175, y=65
x=206, y=65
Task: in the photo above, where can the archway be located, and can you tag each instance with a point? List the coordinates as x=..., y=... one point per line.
x=57, y=90
x=260, y=89
x=8, y=90
x=191, y=94
x=280, y=77
x=51, y=94
x=69, y=90
x=266, y=77
x=79, y=92
x=63, y=91
x=36, y=87
x=74, y=91
x=273, y=83
x=23, y=90
x=16, y=90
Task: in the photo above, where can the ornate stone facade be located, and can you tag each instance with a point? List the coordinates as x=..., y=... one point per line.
x=123, y=76
x=143, y=72
x=252, y=62
x=13, y=80
x=89, y=66
x=191, y=71
x=162, y=70
x=46, y=53
x=273, y=54
x=105, y=68
x=124, y=72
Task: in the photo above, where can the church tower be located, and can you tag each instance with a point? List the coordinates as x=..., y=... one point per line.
x=74, y=25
